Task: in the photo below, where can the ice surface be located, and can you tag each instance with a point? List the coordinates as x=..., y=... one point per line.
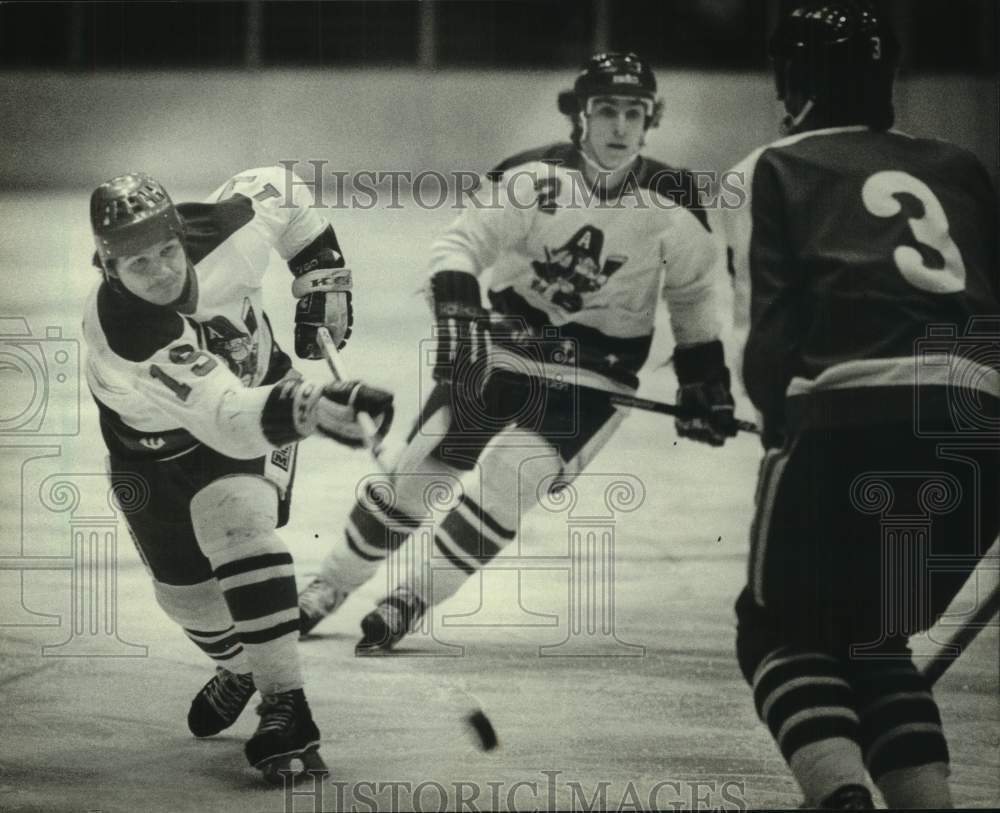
x=108, y=733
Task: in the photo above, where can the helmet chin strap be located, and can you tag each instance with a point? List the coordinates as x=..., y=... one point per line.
x=602, y=170
x=790, y=123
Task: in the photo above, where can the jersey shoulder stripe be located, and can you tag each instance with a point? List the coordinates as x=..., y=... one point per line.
x=133, y=328
x=209, y=225
x=672, y=183
x=561, y=153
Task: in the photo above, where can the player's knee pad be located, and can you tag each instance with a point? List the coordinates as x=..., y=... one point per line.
x=900, y=721
x=235, y=517
x=194, y=606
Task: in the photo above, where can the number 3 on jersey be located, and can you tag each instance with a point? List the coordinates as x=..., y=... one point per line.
x=930, y=229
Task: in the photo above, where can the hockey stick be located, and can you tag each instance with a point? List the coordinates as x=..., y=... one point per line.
x=473, y=714
x=946, y=655
x=622, y=399
x=369, y=432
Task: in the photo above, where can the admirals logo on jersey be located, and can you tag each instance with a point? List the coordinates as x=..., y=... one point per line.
x=237, y=347
x=575, y=269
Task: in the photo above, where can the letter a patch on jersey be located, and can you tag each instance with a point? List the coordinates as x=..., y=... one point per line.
x=575, y=269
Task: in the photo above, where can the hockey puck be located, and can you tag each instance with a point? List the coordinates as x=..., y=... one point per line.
x=484, y=729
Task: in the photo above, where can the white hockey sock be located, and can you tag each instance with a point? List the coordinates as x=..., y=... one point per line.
x=824, y=766
x=922, y=786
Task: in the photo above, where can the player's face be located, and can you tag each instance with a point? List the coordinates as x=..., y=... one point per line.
x=157, y=274
x=615, y=126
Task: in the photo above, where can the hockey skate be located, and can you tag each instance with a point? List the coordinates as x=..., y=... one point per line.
x=220, y=702
x=285, y=745
x=320, y=598
x=392, y=618
x=849, y=797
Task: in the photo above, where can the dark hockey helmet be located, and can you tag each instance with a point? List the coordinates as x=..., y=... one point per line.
x=130, y=213
x=612, y=74
x=837, y=60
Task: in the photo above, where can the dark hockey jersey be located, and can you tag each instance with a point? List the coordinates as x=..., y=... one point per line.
x=868, y=264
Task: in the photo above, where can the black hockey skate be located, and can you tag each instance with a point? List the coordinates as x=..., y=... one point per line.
x=320, y=598
x=849, y=797
x=220, y=702
x=285, y=745
x=392, y=618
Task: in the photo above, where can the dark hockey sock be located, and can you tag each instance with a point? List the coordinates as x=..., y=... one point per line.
x=900, y=721
x=807, y=703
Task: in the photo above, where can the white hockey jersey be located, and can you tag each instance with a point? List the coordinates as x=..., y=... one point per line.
x=595, y=268
x=165, y=380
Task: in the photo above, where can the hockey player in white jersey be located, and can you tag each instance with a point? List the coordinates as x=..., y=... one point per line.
x=580, y=241
x=201, y=412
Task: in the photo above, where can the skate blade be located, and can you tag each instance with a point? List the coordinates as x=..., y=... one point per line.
x=372, y=651
x=376, y=638
x=295, y=768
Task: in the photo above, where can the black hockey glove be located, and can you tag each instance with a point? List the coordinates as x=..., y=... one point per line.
x=462, y=330
x=297, y=408
x=322, y=287
x=704, y=390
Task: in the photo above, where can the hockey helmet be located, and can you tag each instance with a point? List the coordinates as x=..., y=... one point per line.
x=611, y=74
x=838, y=60
x=130, y=213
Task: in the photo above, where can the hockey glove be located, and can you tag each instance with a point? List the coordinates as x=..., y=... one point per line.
x=322, y=287
x=704, y=390
x=462, y=330
x=296, y=408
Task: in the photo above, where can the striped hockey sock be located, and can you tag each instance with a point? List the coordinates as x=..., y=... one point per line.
x=468, y=539
x=806, y=701
x=222, y=646
x=374, y=529
x=261, y=595
x=901, y=733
